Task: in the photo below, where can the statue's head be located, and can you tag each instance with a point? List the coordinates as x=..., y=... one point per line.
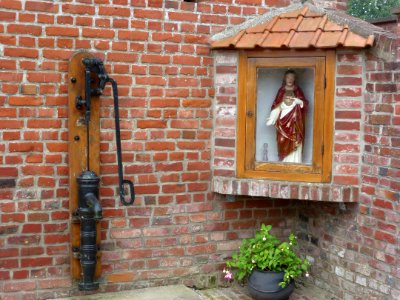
x=289, y=78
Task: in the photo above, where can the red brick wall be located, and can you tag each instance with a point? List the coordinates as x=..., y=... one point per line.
x=355, y=247
x=177, y=231
x=157, y=51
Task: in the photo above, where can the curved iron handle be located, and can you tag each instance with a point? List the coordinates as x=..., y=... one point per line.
x=121, y=179
x=96, y=66
x=131, y=192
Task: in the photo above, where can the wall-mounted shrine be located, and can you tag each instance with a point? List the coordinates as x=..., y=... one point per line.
x=288, y=105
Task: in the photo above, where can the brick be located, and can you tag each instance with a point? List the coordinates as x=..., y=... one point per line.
x=151, y=124
x=346, y=180
x=24, y=29
x=123, y=57
x=192, y=145
x=183, y=82
x=386, y=88
x=348, y=115
x=62, y=31
x=114, y=11
x=11, y=4
x=213, y=19
x=8, y=64
x=380, y=76
x=57, y=54
x=355, y=81
x=121, y=277
x=41, y=6
x=187, y=124
x=160, y=146
x=186, y=60
x=387, y=237
x=44, y=123
x=44, y=77
x=183, y=16
x=8, y=172
x=152, y=80
x=133, y=35
x=201, y=249
x=165, y=102
x=36, y=262
x=98, y=33
x=54, y=283
x=21, y=52
x=148, y=14
x=8, y=16
x=166, y=37
x=37, y=170
x=348, y=92
x=79, y=9
x=19, y=286
x=26, y=147
x=341, y=125
x=380, y=119
x=349, y=69
x=155, y=59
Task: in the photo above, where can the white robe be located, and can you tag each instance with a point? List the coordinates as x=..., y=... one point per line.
x=279, y=112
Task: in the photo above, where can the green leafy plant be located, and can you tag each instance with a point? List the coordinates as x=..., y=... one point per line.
x=265, y=252
x=371, y=9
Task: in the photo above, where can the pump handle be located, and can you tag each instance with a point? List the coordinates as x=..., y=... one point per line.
x=96, y=66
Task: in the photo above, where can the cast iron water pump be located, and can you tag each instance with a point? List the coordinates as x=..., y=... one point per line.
x=89, y=210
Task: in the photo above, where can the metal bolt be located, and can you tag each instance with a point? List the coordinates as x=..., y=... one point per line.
x=73, y=79
x=77, y=138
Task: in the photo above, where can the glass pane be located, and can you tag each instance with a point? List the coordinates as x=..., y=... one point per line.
x=288, y=108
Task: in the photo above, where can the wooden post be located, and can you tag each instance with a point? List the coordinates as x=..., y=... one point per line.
x=77, y=156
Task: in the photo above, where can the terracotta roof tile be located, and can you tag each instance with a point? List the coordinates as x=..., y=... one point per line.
x=309, y=24
x=301, y=40
x=275, y=40
x=328, y=39
x=301, y=28
x=284, y=25
x=248, y=41
x=353, y=40
x=271, y=23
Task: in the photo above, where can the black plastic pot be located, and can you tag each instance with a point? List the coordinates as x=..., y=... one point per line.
x=264, y=285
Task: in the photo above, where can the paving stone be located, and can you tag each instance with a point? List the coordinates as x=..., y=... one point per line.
x=181, y=292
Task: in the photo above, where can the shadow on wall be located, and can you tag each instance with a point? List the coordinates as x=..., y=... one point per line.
x=330, y=236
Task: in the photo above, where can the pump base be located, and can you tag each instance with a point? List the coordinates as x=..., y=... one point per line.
x=91, y=286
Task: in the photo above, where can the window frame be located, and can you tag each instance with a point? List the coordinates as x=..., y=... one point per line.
x=323, y=63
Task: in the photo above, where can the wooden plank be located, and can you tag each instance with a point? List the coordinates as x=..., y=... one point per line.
x=241, y=110
x=251, y=114
x=319, y=120
x=77, y=155
x=329, y=114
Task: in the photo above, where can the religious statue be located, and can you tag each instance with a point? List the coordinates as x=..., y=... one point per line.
x=288, y=113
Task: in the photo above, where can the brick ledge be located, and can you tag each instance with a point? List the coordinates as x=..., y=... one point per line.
x=285, y=190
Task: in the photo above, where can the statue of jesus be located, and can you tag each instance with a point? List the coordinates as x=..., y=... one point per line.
x=288, y=113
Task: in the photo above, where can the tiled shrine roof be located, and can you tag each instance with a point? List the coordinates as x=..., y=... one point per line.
x=302, y=28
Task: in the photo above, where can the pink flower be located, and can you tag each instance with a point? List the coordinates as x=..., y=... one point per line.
x=228, y=275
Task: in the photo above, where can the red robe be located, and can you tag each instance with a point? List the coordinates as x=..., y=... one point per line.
x=290, y=130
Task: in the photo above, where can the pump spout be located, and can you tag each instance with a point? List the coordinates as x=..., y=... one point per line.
x=94, y=204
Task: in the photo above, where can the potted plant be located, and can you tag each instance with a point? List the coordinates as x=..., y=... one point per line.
x=271, y=265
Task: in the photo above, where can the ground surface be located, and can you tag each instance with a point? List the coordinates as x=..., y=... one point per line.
x=181, y=292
